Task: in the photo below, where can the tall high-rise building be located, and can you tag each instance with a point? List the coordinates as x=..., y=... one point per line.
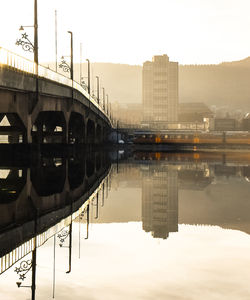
x=160, y=91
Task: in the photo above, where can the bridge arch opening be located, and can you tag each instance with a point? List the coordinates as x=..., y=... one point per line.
x=76, y=128
x=99, y=133
x=12, y=129
x=48, y=177
x=90, y=132
x=90, y=165
x=76, y=172
x=49, y=127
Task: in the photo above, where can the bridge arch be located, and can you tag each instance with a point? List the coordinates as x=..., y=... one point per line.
x=99, y=133
x=76, y=128
x=50, y=127
x=90, y=131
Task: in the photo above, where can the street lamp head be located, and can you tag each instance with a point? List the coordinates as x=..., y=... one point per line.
x=70, y=32
x=21, y=28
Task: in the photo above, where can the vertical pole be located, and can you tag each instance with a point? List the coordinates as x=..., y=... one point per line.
x=103, y=193
x=80, y=63
x=56, y=38
x=98, y=94
x=97, y=204
x=117, y=129
x=33, y=286
x=79, y=255
x=54, y=266
x=87, y=223
x=70, y=246
x=35, y=37
x=71, y=56
x=88, y=76
x=35, y=61
x=103, y=97
x=107, y=104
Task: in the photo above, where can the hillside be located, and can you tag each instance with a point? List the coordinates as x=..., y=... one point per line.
x=225, y=84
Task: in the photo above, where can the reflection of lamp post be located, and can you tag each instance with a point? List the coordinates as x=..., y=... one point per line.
x=88, y=75
x=87, y=223
x=97, y=204
x=98, y=89
x=62, y=237
x=23, y=269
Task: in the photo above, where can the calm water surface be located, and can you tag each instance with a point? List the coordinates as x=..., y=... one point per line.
x=151, y=226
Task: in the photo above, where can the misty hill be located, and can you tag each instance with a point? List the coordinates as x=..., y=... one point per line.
x=225, y=84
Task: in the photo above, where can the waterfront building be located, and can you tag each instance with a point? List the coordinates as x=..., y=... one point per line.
x=160, y=92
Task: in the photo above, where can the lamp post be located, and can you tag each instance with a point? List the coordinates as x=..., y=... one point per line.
x=98, y=89
x=64, y=65
x=107, y=104
x=103, y=97
x=88, y=76
x=80, y=63
x=71, y=56
x=27, y=45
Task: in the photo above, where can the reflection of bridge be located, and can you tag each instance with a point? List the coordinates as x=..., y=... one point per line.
x=52, y=193
x=48, y=107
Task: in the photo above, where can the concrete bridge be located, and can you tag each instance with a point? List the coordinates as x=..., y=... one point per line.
x=47, y=107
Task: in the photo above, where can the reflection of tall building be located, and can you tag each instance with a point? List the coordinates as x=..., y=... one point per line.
x=160, y=201
x=160, y=91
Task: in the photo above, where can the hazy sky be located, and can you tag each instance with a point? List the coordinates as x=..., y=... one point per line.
x=132, y=31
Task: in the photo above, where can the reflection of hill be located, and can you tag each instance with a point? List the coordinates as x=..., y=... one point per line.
x=193, y=179
x=208, y=194
x=225, y=203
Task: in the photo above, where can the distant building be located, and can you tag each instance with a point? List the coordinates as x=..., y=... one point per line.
x=225, y=124
x=128, y=114
x=160, y=91
x=193, y=112
x=246, y=122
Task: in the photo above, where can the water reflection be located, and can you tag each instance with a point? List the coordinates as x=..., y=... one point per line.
x=160, y=200
x=41, y=200
x=60, y=197
x=211, y=188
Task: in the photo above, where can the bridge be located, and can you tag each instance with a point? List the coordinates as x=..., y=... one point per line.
x=38, y=105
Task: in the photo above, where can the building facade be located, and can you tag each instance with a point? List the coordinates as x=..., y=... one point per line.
x=160, y=91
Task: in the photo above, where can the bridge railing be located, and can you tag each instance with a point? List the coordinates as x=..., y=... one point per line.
x=15, y=61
